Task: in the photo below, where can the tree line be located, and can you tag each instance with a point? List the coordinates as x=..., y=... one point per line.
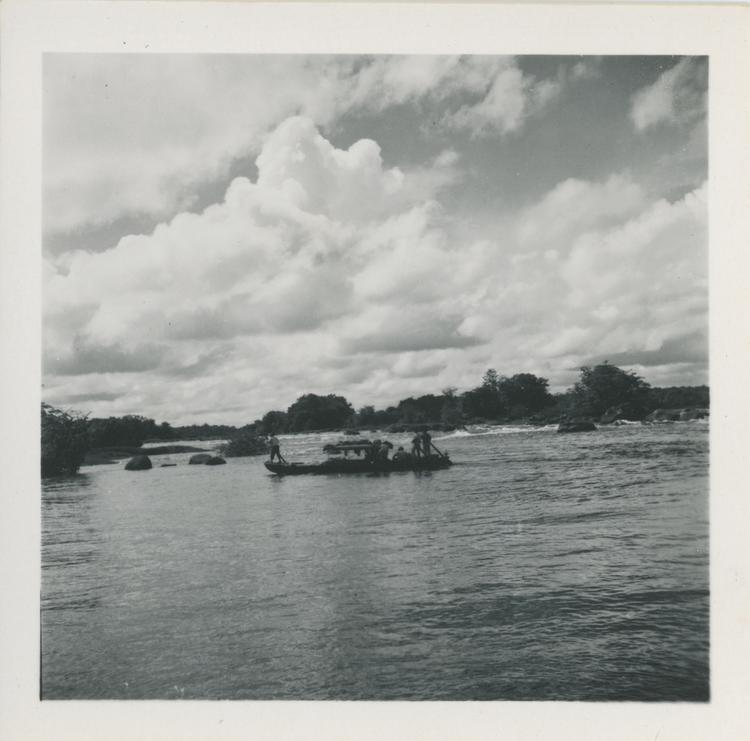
x=603, y=391
x=524, y=397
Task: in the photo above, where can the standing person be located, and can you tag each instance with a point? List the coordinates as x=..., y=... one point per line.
x=275, y=448
x=426, y=443
x=416, y=446
x=373, y=453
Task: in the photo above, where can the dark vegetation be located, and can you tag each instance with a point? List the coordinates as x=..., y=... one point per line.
x=245, y=441
x=603, y=393
x=64, y=441
x=128, y=431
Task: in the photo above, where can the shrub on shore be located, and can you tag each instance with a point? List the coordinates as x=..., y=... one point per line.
x=246, y=442
x=64, y=441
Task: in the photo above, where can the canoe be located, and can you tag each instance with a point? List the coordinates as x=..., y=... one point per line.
x=353, y=465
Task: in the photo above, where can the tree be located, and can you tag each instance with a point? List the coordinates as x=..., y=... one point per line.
x=482, y=402
x=366, y=415
x=491, y=379
x=313, y=412
x=452, y=411
x=64, y=441
x=675, y=397
x=605, y=386
x=274, y=422
x=204, y=432
x=524, y=394
x=128, y=431
x=426, y=408
x=165, y=432
x=485, y=401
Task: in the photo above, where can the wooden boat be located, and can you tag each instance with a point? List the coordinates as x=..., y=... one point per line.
x=339, y=462
x=353, y=465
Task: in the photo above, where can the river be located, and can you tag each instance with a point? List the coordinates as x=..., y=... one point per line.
x=539, y=567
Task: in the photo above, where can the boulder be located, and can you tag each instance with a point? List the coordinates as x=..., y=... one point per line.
x=576, y=425
x=611, y=415
x=664, y=415
x=688, y=414
x=215, y=460
x=200, y=458
x=138, y=463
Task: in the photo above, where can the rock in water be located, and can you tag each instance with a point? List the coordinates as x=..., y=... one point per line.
x=677, y=415
x=576, y=426
x=138, y=463
x=216, y=460
x=611, y=415
x=200, y=458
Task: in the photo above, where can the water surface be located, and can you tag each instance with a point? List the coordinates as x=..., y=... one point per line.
x=540, y=567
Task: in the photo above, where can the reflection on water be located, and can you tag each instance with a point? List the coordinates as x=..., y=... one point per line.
x=541, y=566
x=69, y=546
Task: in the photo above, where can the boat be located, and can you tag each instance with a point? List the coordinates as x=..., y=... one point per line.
x=339, y=461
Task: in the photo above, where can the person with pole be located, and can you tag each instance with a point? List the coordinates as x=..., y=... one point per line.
x=416, y=446
x=275, y=449
x=426, y=443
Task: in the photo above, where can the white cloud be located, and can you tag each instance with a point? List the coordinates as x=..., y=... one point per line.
x=318, y=178
x=678, y=96
x=644, y=280
x=586, y=69
x=333, y=272
x=576, y=205
x=629, y=273
x=306, y=244
x=511, y=98
x=138, y=135
x=129, y=134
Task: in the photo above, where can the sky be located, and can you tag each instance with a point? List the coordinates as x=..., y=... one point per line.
x=224, y=233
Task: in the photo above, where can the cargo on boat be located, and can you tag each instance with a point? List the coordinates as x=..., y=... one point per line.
x=368, y=457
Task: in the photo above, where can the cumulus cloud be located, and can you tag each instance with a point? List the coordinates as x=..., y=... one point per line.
x=304, y=245
x=576, y=205
x=138, y=135
x=511, y=98
x=673, y=351
x=328, y=269
x=408, y=331
x=624, y=278
x=643, y=281
x=318, y=178
x=678, y=96
x=626, y=275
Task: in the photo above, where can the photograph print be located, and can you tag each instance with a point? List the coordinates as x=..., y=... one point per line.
x=375, y=377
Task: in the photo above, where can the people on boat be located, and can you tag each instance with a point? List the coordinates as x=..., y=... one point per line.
x=373, y=454
x=416, y=446
x=400, y=454
x=426, y=443
x=275, y=448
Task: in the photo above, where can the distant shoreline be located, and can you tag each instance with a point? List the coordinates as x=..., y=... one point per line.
x=101, y=456
x=115, y=454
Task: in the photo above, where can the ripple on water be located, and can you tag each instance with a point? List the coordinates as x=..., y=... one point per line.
x=541, y=566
